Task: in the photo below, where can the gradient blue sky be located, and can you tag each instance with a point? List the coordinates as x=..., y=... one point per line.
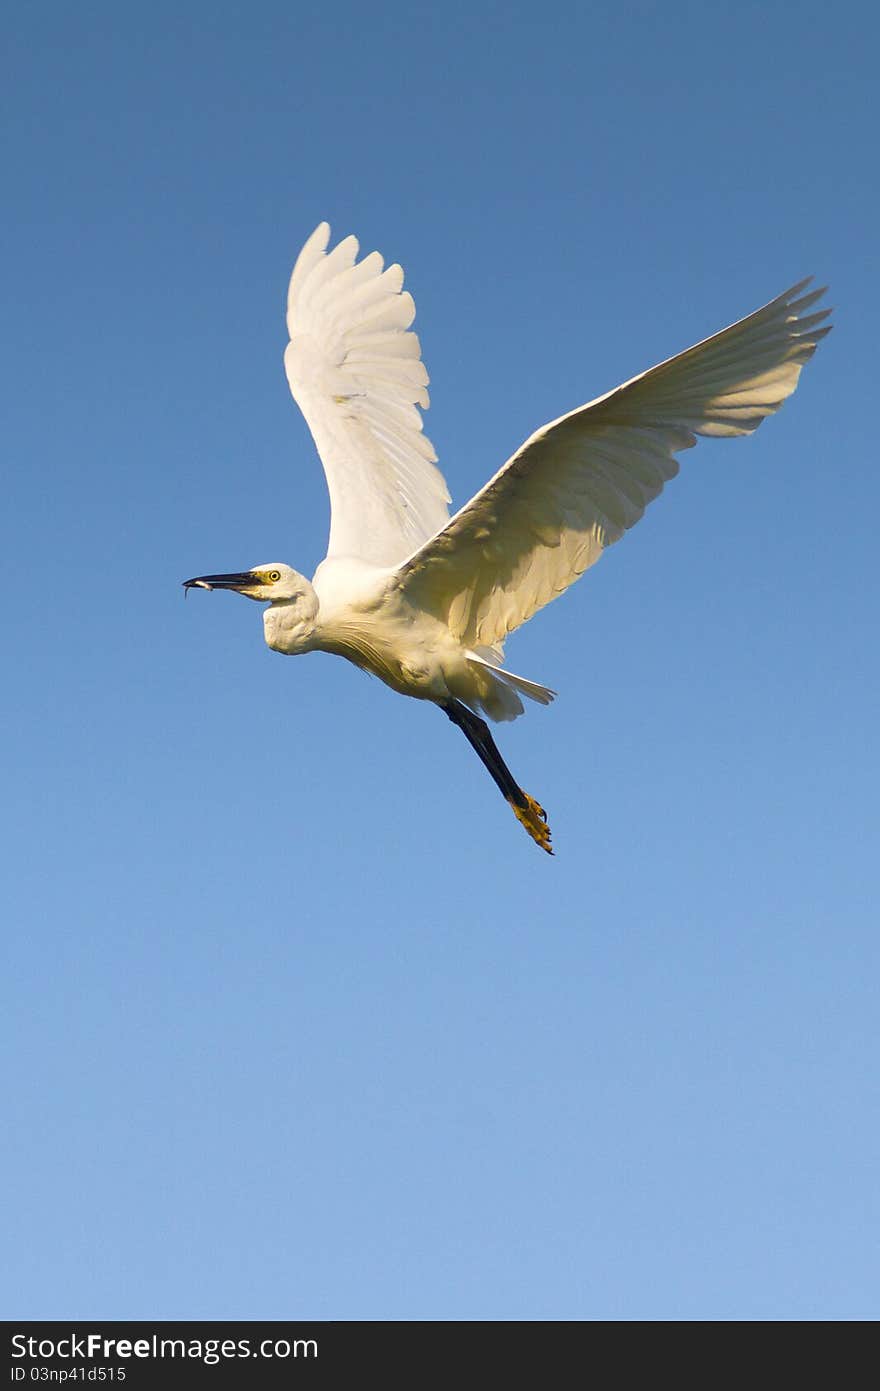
x=297, y=1021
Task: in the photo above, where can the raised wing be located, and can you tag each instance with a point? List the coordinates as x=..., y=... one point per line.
x=578, y=484
x=356, y=375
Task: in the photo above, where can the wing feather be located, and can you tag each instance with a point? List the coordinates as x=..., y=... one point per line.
x=579, y=483
x=356, y=373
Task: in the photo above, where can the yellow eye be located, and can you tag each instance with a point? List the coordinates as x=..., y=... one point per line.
x=274, y=576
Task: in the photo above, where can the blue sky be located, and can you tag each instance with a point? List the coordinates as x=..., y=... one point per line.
x=297, y=1021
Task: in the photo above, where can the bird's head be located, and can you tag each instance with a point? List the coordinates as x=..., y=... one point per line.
x=268, y=584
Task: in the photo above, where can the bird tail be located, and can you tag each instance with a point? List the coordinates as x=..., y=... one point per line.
x=491, y=657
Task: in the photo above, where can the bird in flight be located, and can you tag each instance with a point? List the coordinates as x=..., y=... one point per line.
x=425, y=601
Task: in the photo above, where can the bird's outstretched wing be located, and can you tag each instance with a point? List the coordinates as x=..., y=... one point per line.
x=579, y=483
x=356, y=374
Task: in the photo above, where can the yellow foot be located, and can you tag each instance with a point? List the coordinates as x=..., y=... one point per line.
x=534, y=818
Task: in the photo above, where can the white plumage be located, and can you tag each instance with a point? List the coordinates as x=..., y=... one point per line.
x=357, y=376
x=424, y=601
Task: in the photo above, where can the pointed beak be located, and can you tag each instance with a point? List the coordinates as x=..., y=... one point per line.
x=241, y=581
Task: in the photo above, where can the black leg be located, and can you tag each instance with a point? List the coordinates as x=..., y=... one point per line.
x=525, y=808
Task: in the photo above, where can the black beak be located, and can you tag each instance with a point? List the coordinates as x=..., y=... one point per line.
x=243, y=580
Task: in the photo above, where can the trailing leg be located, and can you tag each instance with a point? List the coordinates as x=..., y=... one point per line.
x=525, y=808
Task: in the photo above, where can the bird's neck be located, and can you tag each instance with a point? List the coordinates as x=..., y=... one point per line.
x=289, y=626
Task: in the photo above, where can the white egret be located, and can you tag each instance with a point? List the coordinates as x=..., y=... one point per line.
x=425, y=601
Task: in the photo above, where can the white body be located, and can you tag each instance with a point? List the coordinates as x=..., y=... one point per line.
x=363, y=614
